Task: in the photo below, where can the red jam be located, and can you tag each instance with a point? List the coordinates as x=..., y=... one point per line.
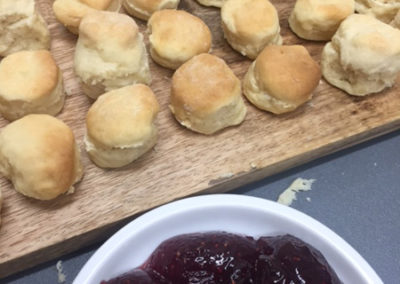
x=219, y=257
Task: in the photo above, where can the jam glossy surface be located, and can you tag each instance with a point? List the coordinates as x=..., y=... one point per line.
x=219, y=257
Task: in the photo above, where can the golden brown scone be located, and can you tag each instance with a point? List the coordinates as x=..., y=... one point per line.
x=250, y=25
x=39, y=155
x=383, y=10
x=30, y=82
x=21, y=27
x=110, y=53
x=363, y=56
x=281, y=78
x=176, y=36
x=206, y=96
x=71, y=12
x=319, y=19
x=143, y=9
x=120, y=126
x=214, y=3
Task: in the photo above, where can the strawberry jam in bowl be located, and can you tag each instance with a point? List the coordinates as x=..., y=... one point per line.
x=228, y=239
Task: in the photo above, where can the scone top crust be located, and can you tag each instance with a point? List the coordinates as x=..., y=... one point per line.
x=368, y=45
x=97, y=4
x=250, y=19
x=123, y=117
x=323, y=12
x=178, y=35
x=202, y=85
x=28, y=75
x=41, y=157
x=108, y=28
x=147, y=5
x=114, y=36
x=287, y=73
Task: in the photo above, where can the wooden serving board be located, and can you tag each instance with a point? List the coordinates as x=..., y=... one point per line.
x=183, y=163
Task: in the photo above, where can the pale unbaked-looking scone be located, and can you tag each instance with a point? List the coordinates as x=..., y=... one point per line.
x=384, y=10
x=30, y=82
x=110, y=53
x=143, y=9
x=214, y=3
x=281, y=78
x=319, y=19
x=71, y=12
x=21, y=27
x=39, y=155
x=250, y=25
x=363, y=56
x=206, y=95
x=120, y=126
x=176, y=36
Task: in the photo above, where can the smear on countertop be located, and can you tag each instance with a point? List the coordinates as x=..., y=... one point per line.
x=60, y=273
x=289, y=195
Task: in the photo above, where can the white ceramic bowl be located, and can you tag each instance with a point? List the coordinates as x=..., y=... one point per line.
x=132, y=245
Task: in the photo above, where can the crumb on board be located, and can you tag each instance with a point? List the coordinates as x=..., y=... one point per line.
x=226, y=175
x=60, y=273
x=308, y=199
x=289, y=195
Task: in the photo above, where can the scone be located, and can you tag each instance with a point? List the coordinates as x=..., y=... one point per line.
x=22, y=27
x=39, y=155
x=319, y=19
x=110, y=53
x=384, y=10
x=176, y=36
x=206, y=95
x=281, y=78
x=143, y=9
x=1, y=203
x=214, y=3
x=120, y=126
x=250, y=25
x=30, y=82
x=363, y=56
x=71, y=12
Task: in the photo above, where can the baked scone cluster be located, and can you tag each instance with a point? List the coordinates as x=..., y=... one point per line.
x=111, y=61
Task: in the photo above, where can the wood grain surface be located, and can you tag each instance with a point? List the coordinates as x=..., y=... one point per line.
x=183, y=163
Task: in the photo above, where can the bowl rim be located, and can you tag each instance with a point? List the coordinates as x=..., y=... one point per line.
x=165, y=211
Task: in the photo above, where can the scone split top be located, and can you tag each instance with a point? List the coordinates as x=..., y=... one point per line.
x=206, y=95
x=39, y=155
x=110, y=53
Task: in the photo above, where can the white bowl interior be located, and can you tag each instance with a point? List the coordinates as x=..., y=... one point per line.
x=244, y=215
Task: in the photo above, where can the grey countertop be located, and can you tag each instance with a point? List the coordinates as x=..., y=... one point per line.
x=356, y=194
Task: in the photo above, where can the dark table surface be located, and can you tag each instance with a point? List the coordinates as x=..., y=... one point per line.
x=356, y=194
